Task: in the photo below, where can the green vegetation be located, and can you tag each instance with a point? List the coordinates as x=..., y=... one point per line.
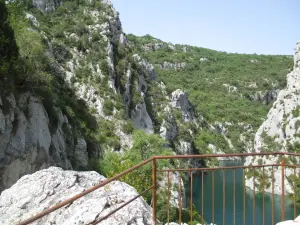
x=261, y=182
x=204, y=138
x=207, y=74
x=296, y=111
x=269, y=143
x=36, y=71
x=296, y=179
x=162, y=212
x=8, y=48
x=127, y=127
x=34, y=74
x=108, y=107
x=144, y=146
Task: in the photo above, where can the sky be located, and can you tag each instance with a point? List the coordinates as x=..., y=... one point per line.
x=238, y=26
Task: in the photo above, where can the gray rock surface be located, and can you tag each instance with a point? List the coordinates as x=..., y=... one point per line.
x=141, y=118
x=34, y=193
x=264, y=97
x=147, y=67
x=30, y=142
x=46, y=5
x=179, y=100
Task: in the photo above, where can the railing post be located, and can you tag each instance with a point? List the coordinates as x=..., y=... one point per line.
x=282, y=187
x=154, y=184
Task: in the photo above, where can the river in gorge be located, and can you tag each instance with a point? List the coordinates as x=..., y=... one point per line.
x=239, y=196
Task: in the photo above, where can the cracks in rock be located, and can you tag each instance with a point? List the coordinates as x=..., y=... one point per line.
x=49, y=194
x=106, y=206
x=77, y=177
x=43, y=192
x=132, y=221
x=8, y=145
x=56, y=185
x=24, y=206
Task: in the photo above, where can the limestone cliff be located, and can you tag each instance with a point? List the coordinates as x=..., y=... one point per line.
x=100, y=88
x=29, y=142
x=280, y=131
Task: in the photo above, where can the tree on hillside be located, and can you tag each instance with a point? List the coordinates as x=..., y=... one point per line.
x=144, y=146
x=8, y=46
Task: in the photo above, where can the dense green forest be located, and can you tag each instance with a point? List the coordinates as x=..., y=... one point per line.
x=222, y=86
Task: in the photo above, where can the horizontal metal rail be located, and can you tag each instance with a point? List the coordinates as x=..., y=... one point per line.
x=225, y=155
x=154, y=160
x=226, y=168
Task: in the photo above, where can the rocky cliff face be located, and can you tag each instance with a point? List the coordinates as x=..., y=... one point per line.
x=29, y=142
x=34, y=193
x=279, y=132
x=95, y=67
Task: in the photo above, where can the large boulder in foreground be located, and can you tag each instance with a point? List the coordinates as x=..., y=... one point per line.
x=36, y=192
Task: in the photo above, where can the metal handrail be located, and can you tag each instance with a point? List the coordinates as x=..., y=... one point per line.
x=154, y=181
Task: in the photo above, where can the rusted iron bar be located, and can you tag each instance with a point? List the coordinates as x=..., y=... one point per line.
x=223, y=155
x=154, y=184
x=295, y=192
x=263, y=194
x=254, y=219
x=234, y=182
x=202, y=197
x=72, y=199
x=224, y=199
x=213, y=196
x=272, y=195
x=289, y=153
x=191, y=195
x=282, y=187
x=180, y=198
x=217, y=168
x=244, y=193
x=122, y=206
x=292, y=166
x=169, y=196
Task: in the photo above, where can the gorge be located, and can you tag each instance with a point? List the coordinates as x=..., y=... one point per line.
x=77, y=93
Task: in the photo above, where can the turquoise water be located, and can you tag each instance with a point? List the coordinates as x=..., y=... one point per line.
x=229, y=206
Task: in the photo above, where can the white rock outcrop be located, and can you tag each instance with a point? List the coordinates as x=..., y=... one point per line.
x=168, y=129
x=281, y=128
x=34, y=193
x=264, y=97
x=230, y=88
x=153, y=46
x=147, y=67
x=179, y=100
x=170, y=65
x=141, y=118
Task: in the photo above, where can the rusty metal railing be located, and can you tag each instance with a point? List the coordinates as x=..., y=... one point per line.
x=192, y=174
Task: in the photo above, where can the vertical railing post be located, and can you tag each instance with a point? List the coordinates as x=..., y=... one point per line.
x=154, y=184
x=282, y=187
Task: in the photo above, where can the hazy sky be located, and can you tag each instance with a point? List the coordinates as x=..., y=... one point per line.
x=243, y=26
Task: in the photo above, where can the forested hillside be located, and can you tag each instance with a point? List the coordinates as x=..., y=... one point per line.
x=233, y=92
x=78, y=93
